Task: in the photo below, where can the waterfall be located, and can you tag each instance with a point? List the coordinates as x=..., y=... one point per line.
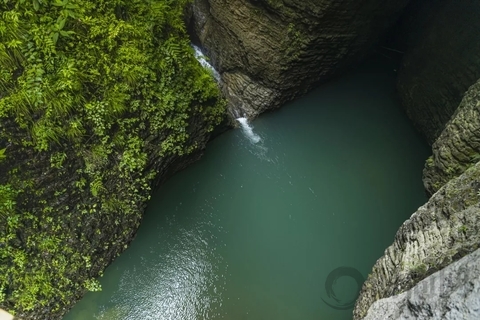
x=201, y=58
x=248, y=130
x=256, y=144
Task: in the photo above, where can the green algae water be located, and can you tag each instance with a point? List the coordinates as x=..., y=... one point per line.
x=253, y=229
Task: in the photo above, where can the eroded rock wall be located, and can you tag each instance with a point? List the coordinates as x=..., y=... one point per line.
x=442, y=60
x=442, y=231
x=269, y=51
x=98, y=235
x=458, y=146
x=450, y=294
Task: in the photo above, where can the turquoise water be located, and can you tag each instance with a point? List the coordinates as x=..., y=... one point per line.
x=253, y=230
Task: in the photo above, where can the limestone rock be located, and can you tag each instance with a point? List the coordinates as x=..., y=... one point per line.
x=270, y=51
x=450, y=294
x=458, y=147
x=441, y=62
x=442, y=231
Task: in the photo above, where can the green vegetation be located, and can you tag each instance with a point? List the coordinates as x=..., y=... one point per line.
x=95, y=97
x=430, y=162
x=419, y=270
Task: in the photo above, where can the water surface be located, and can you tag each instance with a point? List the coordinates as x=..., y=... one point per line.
x=252, y=230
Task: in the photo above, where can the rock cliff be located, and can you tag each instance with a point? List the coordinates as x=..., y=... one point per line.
x=450, y=294
x=89, y=236
x=442, y=60
x=439, y=87
x=440, y=232
x=458, y=147
x=92, y=118
x=269, y=51
x=443, y=230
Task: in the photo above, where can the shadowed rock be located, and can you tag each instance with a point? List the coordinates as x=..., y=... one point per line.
x=458, y=147
x=441, y=62
x=442, y=231
x=270, y=51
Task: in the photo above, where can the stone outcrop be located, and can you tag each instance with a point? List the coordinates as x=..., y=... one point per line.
x=439, y=87
x=458, y=147
x=450, y=294
x=441, y=62
x=269, y=51
x=442, y=231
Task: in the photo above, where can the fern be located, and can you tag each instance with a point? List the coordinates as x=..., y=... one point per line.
x=96, y=186
x=90, y=91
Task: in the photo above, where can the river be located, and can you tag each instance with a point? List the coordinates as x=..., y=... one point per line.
x=253, y=230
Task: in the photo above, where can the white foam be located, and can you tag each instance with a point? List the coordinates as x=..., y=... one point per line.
x=201, y=58
x=248, y=130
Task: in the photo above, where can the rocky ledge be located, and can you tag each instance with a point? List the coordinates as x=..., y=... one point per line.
x=442, y=231
x=450, y=294
x=441, y=61
x=270, y=51
x=458, y=147
x=439, y=87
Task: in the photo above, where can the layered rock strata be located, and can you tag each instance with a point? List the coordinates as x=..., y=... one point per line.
x=442, y=231
x=442, y=60
x=270, y=51
x=458, y=146
x=450, y=294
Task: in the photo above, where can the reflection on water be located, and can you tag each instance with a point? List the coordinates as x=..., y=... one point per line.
x=253, y=230
x=177, y=288
x=182, y=282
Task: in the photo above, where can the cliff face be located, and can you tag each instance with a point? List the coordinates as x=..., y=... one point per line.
x=443, y=230
x=440, y=232
x=269, y=51
x=458, y=147
x=449, y=294
x=91, y=119
x=440, y=89
x=442, y=60
x=89, y=231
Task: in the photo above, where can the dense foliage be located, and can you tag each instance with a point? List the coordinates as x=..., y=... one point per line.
x=94, y=94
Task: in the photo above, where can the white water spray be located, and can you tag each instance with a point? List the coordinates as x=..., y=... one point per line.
x=201, y=58
x=248, y=130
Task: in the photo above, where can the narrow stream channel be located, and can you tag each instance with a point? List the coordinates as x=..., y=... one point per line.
x=253, y=230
